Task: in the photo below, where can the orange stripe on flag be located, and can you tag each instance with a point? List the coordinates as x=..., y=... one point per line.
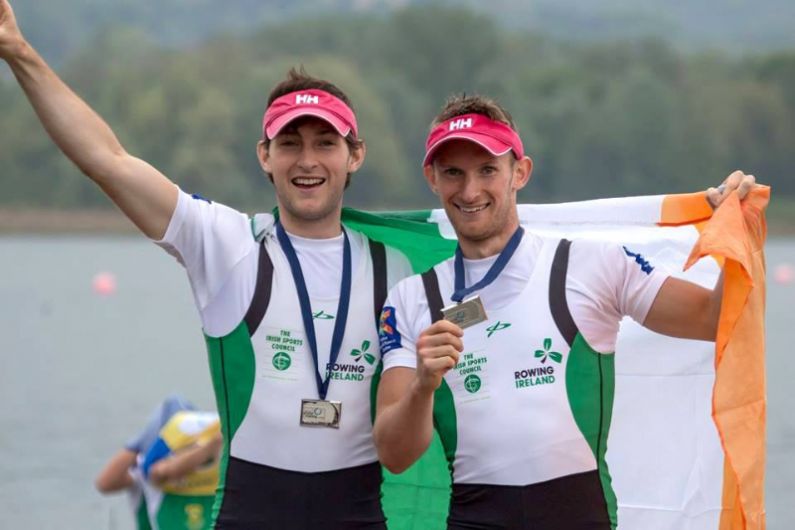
x=737, y=232
x=684, y=209
x=731, y=515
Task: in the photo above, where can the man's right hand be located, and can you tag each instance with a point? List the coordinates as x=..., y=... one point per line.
x=10, y=36
x=403, y=426
x=438, y=348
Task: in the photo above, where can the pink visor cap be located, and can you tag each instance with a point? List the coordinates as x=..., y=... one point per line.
x=313, y=102
x=495, y=137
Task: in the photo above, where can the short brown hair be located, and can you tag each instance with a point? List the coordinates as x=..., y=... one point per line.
x=460, y=104
x=299, y=79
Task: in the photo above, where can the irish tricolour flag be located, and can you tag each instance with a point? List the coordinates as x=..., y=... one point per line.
x=686, y=446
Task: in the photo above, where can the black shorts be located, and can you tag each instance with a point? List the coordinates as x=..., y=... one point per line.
x=258, y=497
x=574, y=502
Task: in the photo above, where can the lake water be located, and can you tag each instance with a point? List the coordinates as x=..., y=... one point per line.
x=79, y=373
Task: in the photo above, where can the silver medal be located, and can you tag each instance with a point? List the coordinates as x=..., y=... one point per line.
x=321, y=413
x=467, y=313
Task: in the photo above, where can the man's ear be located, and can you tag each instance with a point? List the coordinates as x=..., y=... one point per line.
x=522, y=171
x=263, y=156
x=430, y=176
x=356, y=159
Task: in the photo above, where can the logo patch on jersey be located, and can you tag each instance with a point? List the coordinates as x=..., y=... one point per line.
x=472, y=383
x=363, y=353
x=499, y=326
x=546, y=353
x=194, y=516
x=200, y=198
x=353, y=371
x=281, y=361
x=322, y=315
x=388, y=335
x=645, y=266
x=540, y=375
x=470, y=375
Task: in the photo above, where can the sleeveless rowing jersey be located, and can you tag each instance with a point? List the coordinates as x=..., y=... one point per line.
x=263, y=369
x=260, y=360
x=529, y=400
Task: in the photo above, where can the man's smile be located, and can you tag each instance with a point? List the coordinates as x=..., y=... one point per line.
x=307, y=182
x=472, y=209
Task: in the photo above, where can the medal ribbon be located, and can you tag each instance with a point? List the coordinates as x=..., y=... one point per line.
x=306, y=307
x=461, y=291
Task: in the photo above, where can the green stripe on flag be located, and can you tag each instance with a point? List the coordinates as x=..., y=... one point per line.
x=418, y=498
x=409, y=232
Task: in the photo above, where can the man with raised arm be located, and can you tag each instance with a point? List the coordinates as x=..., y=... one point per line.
x=288, y=305
x=523, y=458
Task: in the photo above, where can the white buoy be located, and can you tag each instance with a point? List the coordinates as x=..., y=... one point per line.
x=104, y=283
x=784, y=273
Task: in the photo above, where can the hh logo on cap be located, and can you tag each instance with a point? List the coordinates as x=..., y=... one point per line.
x=306, y=99
x=461, y=124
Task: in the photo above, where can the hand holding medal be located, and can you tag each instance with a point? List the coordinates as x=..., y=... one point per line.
x=438, y=349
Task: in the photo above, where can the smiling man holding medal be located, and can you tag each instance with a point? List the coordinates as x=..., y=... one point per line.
x=289, y=306
x=515, y=443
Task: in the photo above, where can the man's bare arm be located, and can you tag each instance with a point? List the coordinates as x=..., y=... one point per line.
x=404, y=415
x=115, y=476
x=685, y=310
x=144, y=194
x=185, y=462
x=404, y=422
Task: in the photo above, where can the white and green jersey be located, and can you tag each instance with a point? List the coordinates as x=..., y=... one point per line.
x=260, y=359
x=163, y=510
x=135, y=496
x=531, y=396
x=186, y=503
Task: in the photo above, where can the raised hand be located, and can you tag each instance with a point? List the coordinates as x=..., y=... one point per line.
x=736, y=181
x=10, y=36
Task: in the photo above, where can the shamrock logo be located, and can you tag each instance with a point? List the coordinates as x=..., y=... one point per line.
x=362, y=352
x=543, y=354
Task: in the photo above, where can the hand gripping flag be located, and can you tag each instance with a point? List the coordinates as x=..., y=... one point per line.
x=686, y=447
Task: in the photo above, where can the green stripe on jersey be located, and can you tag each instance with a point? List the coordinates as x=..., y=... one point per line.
x=232, y=368
x=184, y=512
x=445, y=421
x=142, y=516
x=590, y=385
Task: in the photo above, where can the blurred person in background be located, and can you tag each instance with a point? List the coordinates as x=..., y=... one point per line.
x=170, y=469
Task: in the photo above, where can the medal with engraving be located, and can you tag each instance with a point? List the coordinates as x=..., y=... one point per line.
x=469, y=312
x=320, y=412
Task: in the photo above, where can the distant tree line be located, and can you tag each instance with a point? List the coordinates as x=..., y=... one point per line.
x=599, y=120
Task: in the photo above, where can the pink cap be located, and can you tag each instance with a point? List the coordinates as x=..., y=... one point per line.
x=495, y=137
x=312, y=102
